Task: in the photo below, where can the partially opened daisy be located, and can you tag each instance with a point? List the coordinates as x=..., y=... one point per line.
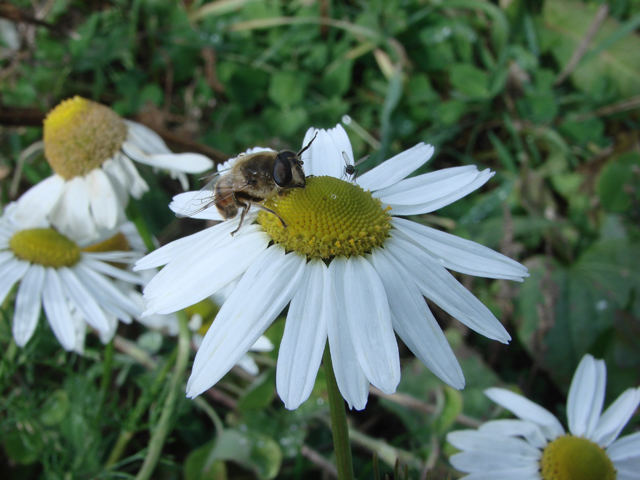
x=90, y=149
x=74, y=283
x=350, y=270
x=536, y=447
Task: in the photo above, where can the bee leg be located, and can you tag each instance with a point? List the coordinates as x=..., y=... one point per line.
x=262, y=207
x=245, y=209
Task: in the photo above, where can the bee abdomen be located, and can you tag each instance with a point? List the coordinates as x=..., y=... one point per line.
x=225, y=199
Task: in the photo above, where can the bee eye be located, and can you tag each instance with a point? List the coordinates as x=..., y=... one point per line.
x=282, y=171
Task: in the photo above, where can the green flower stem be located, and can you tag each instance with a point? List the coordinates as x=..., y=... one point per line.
x=387, y=453
x=107, y=371
x=145, y=399
x=339, y=427
x=165, y=426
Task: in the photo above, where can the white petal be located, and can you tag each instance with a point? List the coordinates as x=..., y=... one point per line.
x=529, y=472
x=414, y=323
x=351, y=380
x=493, y=461
x=12, y=271
x=442, y=288
x=461, y=255
x=325, y=155
x=116, y=256
x=516, y=428
x=305, y=336
x=34, y=205
x=205, y=268
x=263, y=344
x=71, y=214
x=181, y=162
x=137, y=185
x=145, y=138
x=396, y=168
x=118, y=178
x=57, y=310
x=83, y=300
x=614, y=418
x=262, y=292
x=627, y=447
x=431, y=191
x=369, y=321
x=527, y=410
x=195, y=204
x=175, y=249
x=586, y=396
x=248, y=364
x=28, y=302
x=478, y=441
x=107, y=295
x=115, y=272
x=103, y=199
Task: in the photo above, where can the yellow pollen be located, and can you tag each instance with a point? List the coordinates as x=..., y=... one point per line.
x=46, y=247
x=327, y=218
x=575, y=458
x=79, y=135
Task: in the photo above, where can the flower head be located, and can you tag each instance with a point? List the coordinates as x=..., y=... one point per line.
x=90, y=150
x=75, y=284
x=536, y=447
x=349, y=269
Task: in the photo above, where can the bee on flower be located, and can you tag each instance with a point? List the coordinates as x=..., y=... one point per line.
x=351, y=270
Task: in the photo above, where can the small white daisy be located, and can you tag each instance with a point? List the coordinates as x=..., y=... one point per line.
x=351, y=272
x=536, y=447
x=90, y=149
x=74, y=284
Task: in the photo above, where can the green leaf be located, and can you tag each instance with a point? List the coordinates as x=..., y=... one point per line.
x=21, y=446
x=337, y=80
x=618, y=183
x=287, y=88
x=55, y=409
x=256, y=452
x=197, y=466
x=470, y=81
x=566, y=25
x=260, y=393
x=452, y=408
x=566, y=312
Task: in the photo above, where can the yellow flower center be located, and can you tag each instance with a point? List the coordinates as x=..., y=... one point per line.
x=327, y=218
x=46, y=247
x=79, y=135
x=575, y=458
x=118, y=242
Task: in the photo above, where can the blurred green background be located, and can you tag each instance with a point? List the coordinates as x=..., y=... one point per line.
x=546, y=93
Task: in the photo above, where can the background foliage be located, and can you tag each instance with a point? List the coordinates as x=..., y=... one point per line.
x=545, y=93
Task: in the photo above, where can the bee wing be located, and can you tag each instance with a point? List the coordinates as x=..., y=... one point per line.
x=199, y=203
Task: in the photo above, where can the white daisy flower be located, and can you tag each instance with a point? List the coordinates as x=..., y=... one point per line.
x=536, y=447
x=349, y=269
x=90, y=149
x=74, y=284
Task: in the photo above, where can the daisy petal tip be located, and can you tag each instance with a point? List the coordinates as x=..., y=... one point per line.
x=458, y=383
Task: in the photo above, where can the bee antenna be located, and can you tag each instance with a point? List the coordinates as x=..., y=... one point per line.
x=307, y=145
